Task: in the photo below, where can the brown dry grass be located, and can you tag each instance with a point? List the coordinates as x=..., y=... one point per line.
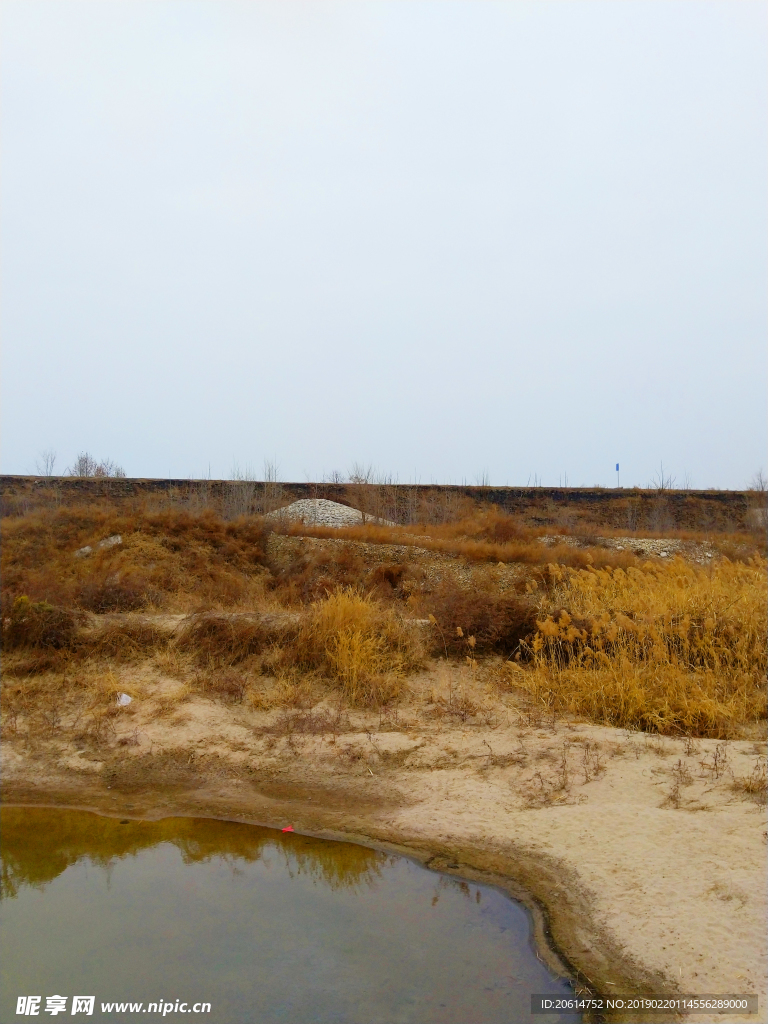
x=37, y=624
x=755, y=785
x=313, y=574
x=169, y=555
x=485, y=533
x=483, y=620
x=226, y=640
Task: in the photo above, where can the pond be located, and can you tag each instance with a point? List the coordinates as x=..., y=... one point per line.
x=263, y=926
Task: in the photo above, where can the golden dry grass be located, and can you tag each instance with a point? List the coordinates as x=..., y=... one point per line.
x=529, y=549
x=671, y=649
x=487, y=534
x=363, y=645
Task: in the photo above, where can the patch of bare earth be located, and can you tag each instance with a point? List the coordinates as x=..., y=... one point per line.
x=644, y=858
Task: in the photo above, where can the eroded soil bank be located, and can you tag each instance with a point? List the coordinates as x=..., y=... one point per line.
x=642, y=858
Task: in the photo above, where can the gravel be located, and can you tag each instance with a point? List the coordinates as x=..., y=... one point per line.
x=321, y=512
x=643, y=547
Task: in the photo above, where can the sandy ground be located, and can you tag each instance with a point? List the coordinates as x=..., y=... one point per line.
x=644, y=863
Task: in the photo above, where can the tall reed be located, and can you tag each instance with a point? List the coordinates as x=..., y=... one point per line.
x=671, y=648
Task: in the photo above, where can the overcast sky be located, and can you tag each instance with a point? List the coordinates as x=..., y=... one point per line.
x=445, y=238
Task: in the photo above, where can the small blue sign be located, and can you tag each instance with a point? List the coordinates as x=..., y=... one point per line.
x=617, y=467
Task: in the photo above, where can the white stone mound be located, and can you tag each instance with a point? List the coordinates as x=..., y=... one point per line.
x=321, y=512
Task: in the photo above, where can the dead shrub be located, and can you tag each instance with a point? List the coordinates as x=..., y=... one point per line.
x=116, y=594
x=497, y=621
x=124, y=641
x=376, y=691
x=387, y=579
x=314, y=575
x=308, y=721
x=37, y=624
x=36, y=662
x=98, y=727
x=225, y=640
x=456, y=704
x=226, y=685
x=498, y=527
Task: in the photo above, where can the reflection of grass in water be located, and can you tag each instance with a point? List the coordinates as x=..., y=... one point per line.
x=38, y=844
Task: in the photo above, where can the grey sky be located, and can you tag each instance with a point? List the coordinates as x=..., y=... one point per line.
x=441, y=238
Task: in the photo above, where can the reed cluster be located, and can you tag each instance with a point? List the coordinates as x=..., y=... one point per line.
x=670, y=649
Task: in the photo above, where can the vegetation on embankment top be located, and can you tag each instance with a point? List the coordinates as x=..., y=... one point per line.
x=648, y=510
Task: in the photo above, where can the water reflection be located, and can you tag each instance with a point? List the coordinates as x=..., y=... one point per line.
x=266, y=927
x=38, y=844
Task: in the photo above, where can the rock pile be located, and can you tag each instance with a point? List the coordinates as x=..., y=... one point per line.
x=321, y=512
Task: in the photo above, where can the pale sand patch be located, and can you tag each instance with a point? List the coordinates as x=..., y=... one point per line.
x=674, y=894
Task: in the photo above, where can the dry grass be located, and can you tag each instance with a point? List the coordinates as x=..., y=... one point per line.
x=80, y=702
x=484, y=533
x=483, y=620
x=226, y=640
x=664, y=647
x=163, y=557
x=453, y=540
x=37, y=624
x=361, y=644
x=316, y=572
x=123, y=640
x=670, y=649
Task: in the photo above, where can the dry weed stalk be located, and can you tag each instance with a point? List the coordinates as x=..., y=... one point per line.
x=755, y=785
x=719, y=763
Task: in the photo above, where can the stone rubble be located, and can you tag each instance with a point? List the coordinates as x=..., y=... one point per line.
x=643, y=547
x=108, y=542
x=322, y=512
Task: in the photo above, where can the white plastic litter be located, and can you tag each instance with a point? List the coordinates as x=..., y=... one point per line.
x=83, y=552
x=123, y=699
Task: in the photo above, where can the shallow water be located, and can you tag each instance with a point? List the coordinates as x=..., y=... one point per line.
x=265, y=927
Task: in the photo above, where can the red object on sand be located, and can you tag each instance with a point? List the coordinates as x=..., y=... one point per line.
x=288, y=829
